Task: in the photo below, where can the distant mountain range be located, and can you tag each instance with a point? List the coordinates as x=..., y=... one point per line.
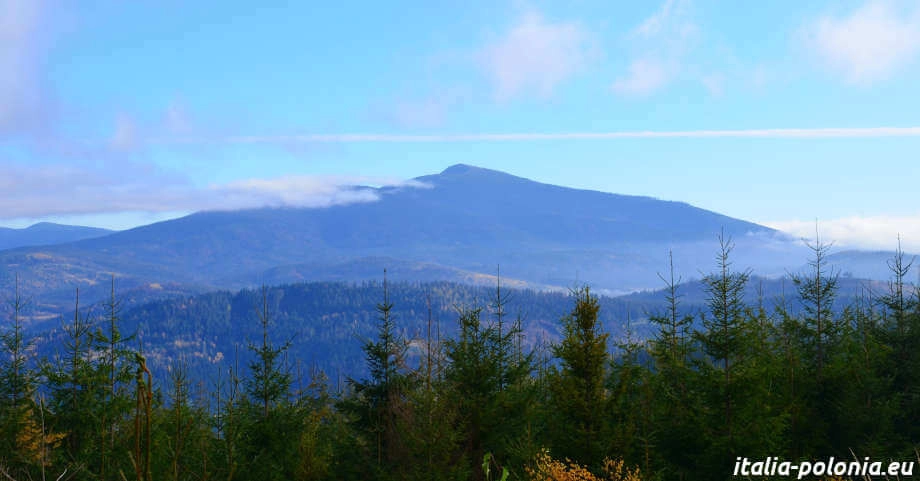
x=327, y=321
x=460, y=225
x=47, y=233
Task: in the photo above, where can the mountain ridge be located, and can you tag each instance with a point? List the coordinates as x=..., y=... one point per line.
x=462, y=222
x=47, y=233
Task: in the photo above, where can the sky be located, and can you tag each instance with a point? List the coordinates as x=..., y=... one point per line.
x=787, y=113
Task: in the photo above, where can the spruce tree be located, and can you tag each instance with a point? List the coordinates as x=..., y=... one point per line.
x=630, y=417
x=379, y=401
x=819, y=339
x=72, y=383
x=270, y=381
x=114, y=373
x=578, y=387
x=270, y=423
x=722, y=341
x=674, y=381
x=494, y=420
x=900, y=331
x=18, y=383
x=817, y=292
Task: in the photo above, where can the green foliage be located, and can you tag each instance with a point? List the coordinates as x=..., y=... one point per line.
x=18, y=383
x=490, y=383
x=380, y=401
x=269, y=380
x=578, y=391
x=740, y=378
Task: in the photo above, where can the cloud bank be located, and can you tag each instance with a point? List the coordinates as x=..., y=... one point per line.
x=60, y=190
x=875, y=233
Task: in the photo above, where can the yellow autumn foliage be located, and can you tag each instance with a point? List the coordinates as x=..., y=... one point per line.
x=33, y=442
x=548, y=469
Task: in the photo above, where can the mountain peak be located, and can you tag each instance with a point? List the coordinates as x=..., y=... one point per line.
x=466, y=172
x=462, y=169
x=48, y=225
x=46, y=233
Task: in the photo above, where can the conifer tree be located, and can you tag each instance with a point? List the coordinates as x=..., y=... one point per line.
x=18, y=383
x=493, y=420
x=380, y=400
x=578, y=387
x=675, y=381
x=869, y=403
x=114, y=373
x=430, y=431
x=181, y=430
x=270, y=425
x=72, y=383
x=722, y=341
x=671, y=342
x=819, y=339
x=817, y=291
x=270, y=381
x=229, y=420
x=900, y=331
x=632, y=432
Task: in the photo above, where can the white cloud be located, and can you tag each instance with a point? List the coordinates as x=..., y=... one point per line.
x=661, y=41
x=535, y=56
x=880, y=232
x=670, y=22
x=302, y=191
x=34, y=192
x=869, y=44
x=645, y=76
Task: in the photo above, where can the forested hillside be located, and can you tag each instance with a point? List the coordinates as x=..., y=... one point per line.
x=46, y=233
x=446, y=226
x=326, y=322
x=798, y=379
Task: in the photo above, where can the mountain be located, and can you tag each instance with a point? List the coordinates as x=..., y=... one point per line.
x=326, y=322
x=759, y=291
x=870, y=264
x=47, y=233
x=466, y=219
x=372, y=268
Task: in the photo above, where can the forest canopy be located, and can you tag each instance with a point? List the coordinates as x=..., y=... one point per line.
x=801, y=376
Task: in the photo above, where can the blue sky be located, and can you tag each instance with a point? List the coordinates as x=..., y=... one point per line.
x=120, y=113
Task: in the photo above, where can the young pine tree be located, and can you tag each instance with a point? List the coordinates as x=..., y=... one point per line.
x=722, y=341
x=675, y=382
x=270, y=423
x=818, y=342
x=114, y=374
x=379, y=401
x=73, y=383
x=18, y=383
x=578, y=391
x=493, y=392
x=630, y=415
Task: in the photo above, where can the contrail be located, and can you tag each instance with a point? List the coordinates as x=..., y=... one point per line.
x=818, y=133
